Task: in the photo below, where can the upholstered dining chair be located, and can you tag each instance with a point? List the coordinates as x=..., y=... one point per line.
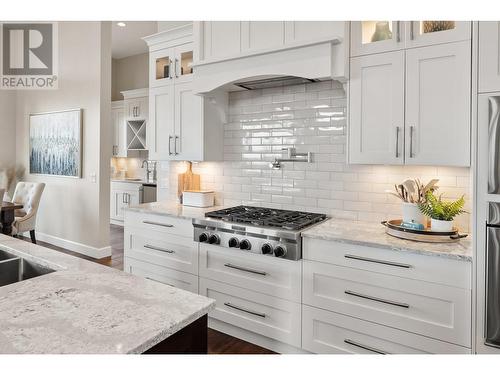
x=29, y=195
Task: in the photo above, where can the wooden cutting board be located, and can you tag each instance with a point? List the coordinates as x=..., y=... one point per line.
x=188, y=181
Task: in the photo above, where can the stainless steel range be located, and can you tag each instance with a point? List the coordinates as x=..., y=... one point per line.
x=257, y=230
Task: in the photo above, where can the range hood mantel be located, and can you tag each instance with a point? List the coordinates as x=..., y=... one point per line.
x=321, y=60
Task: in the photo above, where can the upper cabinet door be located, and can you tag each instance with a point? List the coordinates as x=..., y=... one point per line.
x=425, y=33
x=376, y=109
x=306, y=31
x=162, y=67
x=489, y=56
x=183, y=63
x=369, y=37
x=161, y=127
x=221, y=39
x=438, y=92
x=188, y=143
x=262, y=35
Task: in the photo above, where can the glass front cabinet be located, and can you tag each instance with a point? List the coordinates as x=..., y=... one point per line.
x=369, y=37
x=171, y=65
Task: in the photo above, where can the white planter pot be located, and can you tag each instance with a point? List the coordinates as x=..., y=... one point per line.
x=412, y=214
x=441, y=225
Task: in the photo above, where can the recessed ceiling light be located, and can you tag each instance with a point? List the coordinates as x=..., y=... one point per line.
x=121, y=24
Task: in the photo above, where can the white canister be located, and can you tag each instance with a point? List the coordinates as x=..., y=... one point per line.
x=412, y=214
x=441, y=225
x=198, y=198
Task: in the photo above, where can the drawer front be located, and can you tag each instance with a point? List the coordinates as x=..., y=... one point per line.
x=276, y=277
x=414, y=266
x=326, y=332
x=166, y=250
x=177, y=279
x=262, y=314
x=159, y=224
x=433, y=310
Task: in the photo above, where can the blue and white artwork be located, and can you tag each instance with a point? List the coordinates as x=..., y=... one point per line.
x=55, y=143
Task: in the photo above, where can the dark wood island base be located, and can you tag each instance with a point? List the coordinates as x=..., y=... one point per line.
x=189, y=340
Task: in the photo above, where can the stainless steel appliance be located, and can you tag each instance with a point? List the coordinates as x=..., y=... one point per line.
x=257, y=230
x=492, y=319
x=494, y=145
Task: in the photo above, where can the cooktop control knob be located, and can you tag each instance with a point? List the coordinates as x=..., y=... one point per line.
x=280, y=251
x=267, y=249
x=203, y=237
x=214, y=239
x=245, y=245
x=234, y=242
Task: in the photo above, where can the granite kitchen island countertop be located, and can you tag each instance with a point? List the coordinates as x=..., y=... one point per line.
x=373, y=235
x=173, y=209
x=88, y=308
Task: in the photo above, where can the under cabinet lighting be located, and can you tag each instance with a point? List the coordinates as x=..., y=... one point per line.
x=121, y=24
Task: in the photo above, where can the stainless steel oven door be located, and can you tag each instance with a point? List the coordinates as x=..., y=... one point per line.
x=492, y=331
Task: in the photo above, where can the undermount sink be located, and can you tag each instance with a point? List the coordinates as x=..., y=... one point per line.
x=14, y=269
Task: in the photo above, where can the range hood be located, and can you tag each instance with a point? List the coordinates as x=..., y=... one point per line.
x=317, y=61
x=266, y=83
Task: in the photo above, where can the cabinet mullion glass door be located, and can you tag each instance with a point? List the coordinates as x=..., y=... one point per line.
x=183, y=67
x=369, y=37
x=161, y=67
x=424, y=33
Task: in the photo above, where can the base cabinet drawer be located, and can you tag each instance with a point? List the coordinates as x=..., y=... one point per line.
x=262, y=314
x=178, y=279
x=326, y=332
x=433, y=269
x=272, y=276
x=438, y=311
x=166, y=250
x=157, y=223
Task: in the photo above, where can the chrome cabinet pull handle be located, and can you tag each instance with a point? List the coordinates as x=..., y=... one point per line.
x=398, y=29
x=412, y=36
x=244, y=269
x=170, y=76
x=386, y=262
x=362, y=346
x=262, y=315
x=176, y=69
x=397, y=142
x=411, y=141
x=175, y=145
x=170, y=144
x=158, y=224
x=159, y=249
x=376, y=299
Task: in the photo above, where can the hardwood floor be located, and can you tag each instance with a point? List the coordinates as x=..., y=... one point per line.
x=218, y=342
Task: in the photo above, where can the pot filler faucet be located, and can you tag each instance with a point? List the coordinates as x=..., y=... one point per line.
x=292, y=156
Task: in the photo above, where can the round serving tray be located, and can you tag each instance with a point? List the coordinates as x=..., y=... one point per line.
x=393, y=228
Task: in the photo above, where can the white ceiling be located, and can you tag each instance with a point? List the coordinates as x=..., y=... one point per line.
x=127, y=40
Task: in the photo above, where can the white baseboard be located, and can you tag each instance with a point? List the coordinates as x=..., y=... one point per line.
x=77, y=247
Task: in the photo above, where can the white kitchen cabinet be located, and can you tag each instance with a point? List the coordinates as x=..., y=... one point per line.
x=489, y=56
x=161, y=128
x=426, y=33
x=327, y=332
x=258, y=35
x=123, y=195
x=136, y=108
x=368, y=37
x=376, y=109
x=220, y=39
x=171, y=65
x=438, y=105
x=119, y=129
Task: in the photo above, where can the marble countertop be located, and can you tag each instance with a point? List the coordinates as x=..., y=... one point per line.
x=373, y=235
x=85, y=307
x=173, y=209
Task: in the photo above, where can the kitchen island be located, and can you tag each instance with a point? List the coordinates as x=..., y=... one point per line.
x=87, y=308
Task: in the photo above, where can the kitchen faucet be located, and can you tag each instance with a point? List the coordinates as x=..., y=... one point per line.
x=148, y=170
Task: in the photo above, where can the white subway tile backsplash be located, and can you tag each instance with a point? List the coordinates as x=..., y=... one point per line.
x=313, y=118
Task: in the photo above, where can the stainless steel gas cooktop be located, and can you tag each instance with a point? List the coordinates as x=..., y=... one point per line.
x=257, y=230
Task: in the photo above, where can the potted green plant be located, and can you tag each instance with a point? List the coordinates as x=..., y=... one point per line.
x=441, y=212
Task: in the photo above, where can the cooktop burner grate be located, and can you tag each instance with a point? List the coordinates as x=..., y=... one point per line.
x=267, y=217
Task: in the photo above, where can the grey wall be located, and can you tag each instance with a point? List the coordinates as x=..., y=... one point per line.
x=76, y=210
x=129, y=73
x=7, y=128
